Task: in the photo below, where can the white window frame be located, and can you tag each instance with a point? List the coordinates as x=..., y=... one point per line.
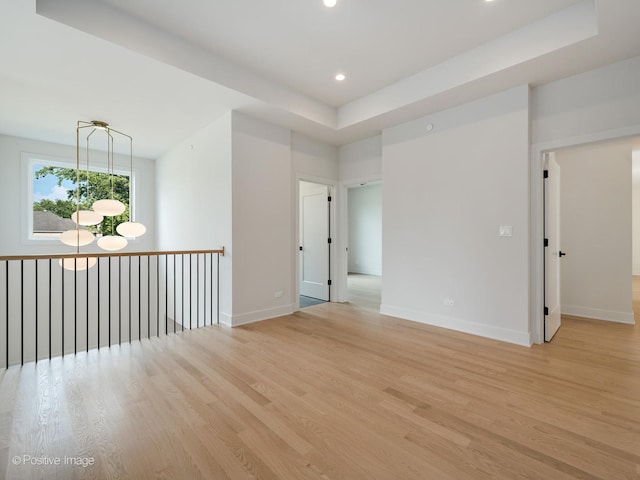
x=28, y=161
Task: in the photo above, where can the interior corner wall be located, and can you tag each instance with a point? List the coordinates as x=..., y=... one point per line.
x=13, y=196
x=194, y=199
x=596, y=230
x=365, y=229
x=446, y=193
x=263, y=212
x=361, y=160
x=313, y=159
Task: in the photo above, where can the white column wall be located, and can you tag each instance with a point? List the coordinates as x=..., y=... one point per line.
x=446, y=193
x=263, y=210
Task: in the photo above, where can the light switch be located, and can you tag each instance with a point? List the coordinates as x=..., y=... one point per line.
x=506, y=231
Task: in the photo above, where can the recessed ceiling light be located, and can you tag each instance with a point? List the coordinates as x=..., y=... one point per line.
x=340, y=77
x=330, y=3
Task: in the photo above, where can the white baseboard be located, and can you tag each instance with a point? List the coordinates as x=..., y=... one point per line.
x=225, y=319
x=597, y=314
x=259, y=315
x=480, y=329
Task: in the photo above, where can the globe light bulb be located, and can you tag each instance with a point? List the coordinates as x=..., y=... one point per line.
x=76, y=238
x=109, y=207
x=131, y=229
x=112, y=242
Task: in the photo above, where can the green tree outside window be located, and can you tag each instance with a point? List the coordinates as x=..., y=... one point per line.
x=99, y=186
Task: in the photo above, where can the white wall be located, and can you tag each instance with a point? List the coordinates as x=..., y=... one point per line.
x=592, y=103
x=365, y=229
x=13, y=196
x=263, y=219
x=361, y=160
x=194, y=199
x=596, y=229
x=446, y=193
x=313, y=159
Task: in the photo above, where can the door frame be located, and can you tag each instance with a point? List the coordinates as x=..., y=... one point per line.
x=536, y=203
x=343, y=205
x=332, y=184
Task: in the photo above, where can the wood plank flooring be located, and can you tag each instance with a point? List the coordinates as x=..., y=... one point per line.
x=364, y=291
x=333, y=392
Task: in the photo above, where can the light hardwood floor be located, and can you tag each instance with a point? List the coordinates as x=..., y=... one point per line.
x=636, y=297
x=333, y=392
x=364, y=291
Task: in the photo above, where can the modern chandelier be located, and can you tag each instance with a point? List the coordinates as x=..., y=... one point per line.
x=93, y=133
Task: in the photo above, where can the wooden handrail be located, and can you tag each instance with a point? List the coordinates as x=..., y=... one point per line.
x=219, y=251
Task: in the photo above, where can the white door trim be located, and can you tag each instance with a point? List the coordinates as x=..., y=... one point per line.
x=536, y=245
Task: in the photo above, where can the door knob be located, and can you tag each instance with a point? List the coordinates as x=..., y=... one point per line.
x=561, y=253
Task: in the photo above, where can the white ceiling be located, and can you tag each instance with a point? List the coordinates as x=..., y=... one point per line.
x=161, y=69
x=302, y=44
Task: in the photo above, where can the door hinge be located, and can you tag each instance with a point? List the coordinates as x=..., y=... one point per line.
x=546, y=242
x=329, y=240
x=545, y=174
x=546, y=310
x=329, y=283
x=329, y=199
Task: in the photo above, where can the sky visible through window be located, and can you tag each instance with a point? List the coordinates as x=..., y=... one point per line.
x=47, y=187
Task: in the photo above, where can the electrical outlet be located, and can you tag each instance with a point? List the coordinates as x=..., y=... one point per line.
x=278, y=294
x=449, y=302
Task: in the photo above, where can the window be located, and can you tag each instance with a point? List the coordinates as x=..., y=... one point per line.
x=53, y=196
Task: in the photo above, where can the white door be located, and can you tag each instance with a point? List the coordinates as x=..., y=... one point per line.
x=552, y=253
x=314, y=240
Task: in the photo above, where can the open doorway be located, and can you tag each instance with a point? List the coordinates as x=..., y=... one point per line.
x=364, y=259
x=314, y=243
x=589, y=240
